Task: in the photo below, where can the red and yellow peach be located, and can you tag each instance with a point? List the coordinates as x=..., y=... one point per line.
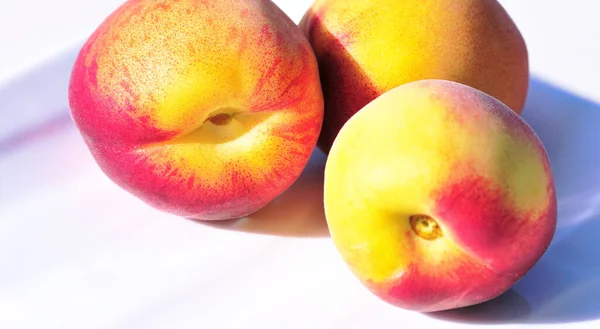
x=204, y=109
x=439, y=196
x=365, y=48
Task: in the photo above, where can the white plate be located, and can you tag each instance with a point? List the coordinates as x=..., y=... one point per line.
x=78, y=252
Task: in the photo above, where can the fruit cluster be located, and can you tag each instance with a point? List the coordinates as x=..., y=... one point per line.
x=437, y=194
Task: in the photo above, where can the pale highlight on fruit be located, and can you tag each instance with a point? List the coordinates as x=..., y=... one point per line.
x=439, y=196
x=205, y=109
x=367, y=47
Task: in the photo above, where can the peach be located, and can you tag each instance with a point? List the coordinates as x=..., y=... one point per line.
x=365, y=48
x=438, y=196
x=203, y=109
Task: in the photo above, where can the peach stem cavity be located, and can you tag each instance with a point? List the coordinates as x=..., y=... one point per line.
x=425, y=227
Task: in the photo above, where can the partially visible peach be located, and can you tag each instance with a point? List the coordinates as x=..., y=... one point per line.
x=439, y=196
x=367, y=47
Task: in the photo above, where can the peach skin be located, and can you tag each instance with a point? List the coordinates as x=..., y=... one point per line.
x=367, y=47
x=438, y=196
x=203, y=109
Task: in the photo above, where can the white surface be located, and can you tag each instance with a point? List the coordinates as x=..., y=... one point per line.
x=78, y=252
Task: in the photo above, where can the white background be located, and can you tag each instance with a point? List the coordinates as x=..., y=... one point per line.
x=78, y=252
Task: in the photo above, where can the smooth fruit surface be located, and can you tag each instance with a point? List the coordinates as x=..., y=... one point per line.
x=438, y=196
x=367, y=47
x=205, y=109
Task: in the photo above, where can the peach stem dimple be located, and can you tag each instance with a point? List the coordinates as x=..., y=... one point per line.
x=221, y=119
x=425, y=227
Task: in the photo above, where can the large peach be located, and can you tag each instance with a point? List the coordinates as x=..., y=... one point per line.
x=204, y=109
x=438, y=196
x=367, y=47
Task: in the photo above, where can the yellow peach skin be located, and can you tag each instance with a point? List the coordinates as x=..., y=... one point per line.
x=438, y=196
x=205, y=109
x=367, y=47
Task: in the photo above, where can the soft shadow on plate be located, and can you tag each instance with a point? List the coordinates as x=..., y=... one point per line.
x=36, y=100
x=564, y=286
x=298, y=212
x=509, y=307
